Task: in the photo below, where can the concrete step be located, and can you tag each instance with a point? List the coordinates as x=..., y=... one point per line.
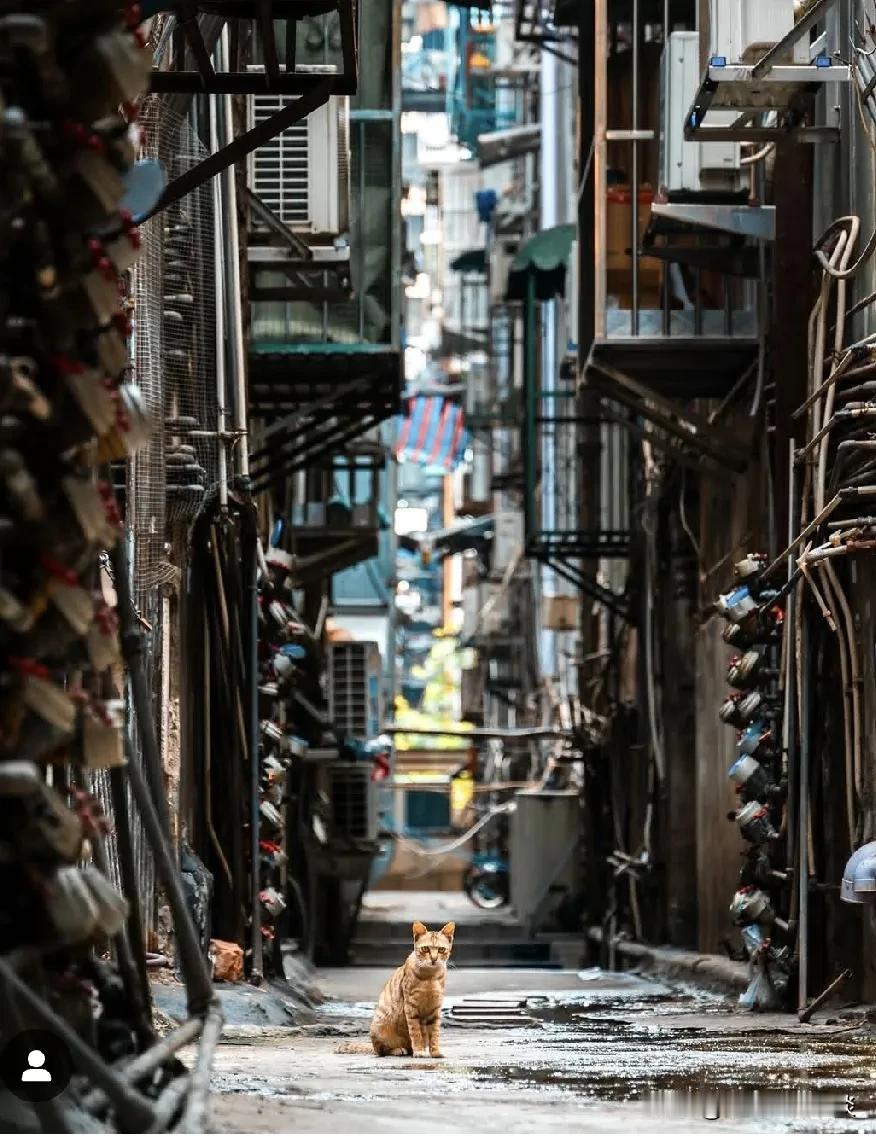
x=369, y=928
x=474, y=954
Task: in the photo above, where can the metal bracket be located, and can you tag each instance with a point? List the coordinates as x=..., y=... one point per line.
x=279, y=228
x=241, y=146
x=686, y=426
x=778, y=89
x=590, y=586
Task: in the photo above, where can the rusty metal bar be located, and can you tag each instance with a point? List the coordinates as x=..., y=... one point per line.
x=194, y=37
x=268, y=36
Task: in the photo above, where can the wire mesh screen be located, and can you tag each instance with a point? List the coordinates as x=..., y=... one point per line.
x=173, y=290
x=175, y=350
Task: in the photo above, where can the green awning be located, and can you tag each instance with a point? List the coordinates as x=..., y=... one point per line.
x=472, y=261
x=545, y=255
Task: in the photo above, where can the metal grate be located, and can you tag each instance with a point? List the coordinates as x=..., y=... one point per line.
x=353, y=802
x=354, y=688
x=175, y=351
x=280, y=174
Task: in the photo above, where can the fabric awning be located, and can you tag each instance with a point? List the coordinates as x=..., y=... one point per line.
x=545, y=255
x=432, y=434
x=471, y=261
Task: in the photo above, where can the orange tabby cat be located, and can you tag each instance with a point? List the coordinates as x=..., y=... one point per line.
x=407, y=1019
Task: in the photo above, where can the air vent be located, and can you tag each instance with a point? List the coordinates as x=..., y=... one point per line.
x=354, y=688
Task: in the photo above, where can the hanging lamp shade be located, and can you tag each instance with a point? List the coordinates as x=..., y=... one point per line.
x=546, y=256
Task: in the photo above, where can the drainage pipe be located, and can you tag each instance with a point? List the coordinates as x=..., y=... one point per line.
x=803, y=817
x=251, y=574
x=219, y=285
x=232, y=292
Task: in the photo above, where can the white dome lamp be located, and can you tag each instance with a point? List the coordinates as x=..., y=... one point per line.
x=859, y=877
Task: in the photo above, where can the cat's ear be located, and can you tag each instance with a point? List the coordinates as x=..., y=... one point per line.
x=419, y=929
x=449, y=929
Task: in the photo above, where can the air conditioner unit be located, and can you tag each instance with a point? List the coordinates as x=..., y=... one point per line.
x=354, y=683
x=692, y=166
x=303, y=173
x=743, y=30
x=507, y=540
x=354, y=802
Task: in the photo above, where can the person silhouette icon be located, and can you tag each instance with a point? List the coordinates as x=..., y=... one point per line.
x=36, y=1072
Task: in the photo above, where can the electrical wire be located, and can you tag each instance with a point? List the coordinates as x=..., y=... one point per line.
x=441, y=851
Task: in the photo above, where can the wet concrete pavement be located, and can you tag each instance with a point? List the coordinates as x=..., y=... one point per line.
x=596, y=1051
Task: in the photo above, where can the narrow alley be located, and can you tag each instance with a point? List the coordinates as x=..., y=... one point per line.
x=544, y=1050
x=437, y=566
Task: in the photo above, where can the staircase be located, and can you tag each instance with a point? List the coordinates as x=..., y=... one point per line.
x=484, y=943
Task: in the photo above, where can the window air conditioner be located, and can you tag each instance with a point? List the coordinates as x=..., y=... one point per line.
x=303, y=173
x=743, y=30
x=692, y=166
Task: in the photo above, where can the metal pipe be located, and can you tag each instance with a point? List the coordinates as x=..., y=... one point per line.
x=128, y=875
x=141, y=698
x=219, y=284
x=148, y=1061
x=482, y=732
x=232, y=293
x=133, y=1108
x=634, y=249
x=251, y=564
x=803, y=817
x=531, y=403
x=789, y=741
x=838, y=498
x=600, y=170
x=50, y=1114
x=150, y=799
x=196, y=1109
x=169, y=1102
x=199, y=990
x=132, y=977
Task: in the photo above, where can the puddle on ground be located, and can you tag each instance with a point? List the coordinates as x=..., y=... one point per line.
x=615, y=1044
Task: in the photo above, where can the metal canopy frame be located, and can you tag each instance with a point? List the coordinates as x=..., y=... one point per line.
x=323, y=411
x=280, y=78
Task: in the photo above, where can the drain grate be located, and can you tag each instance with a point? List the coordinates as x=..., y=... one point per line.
x=489, y=1011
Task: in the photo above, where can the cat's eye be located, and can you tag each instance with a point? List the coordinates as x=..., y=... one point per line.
x=442, y=951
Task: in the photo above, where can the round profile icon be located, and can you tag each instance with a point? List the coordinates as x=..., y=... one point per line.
x=35, y=1065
